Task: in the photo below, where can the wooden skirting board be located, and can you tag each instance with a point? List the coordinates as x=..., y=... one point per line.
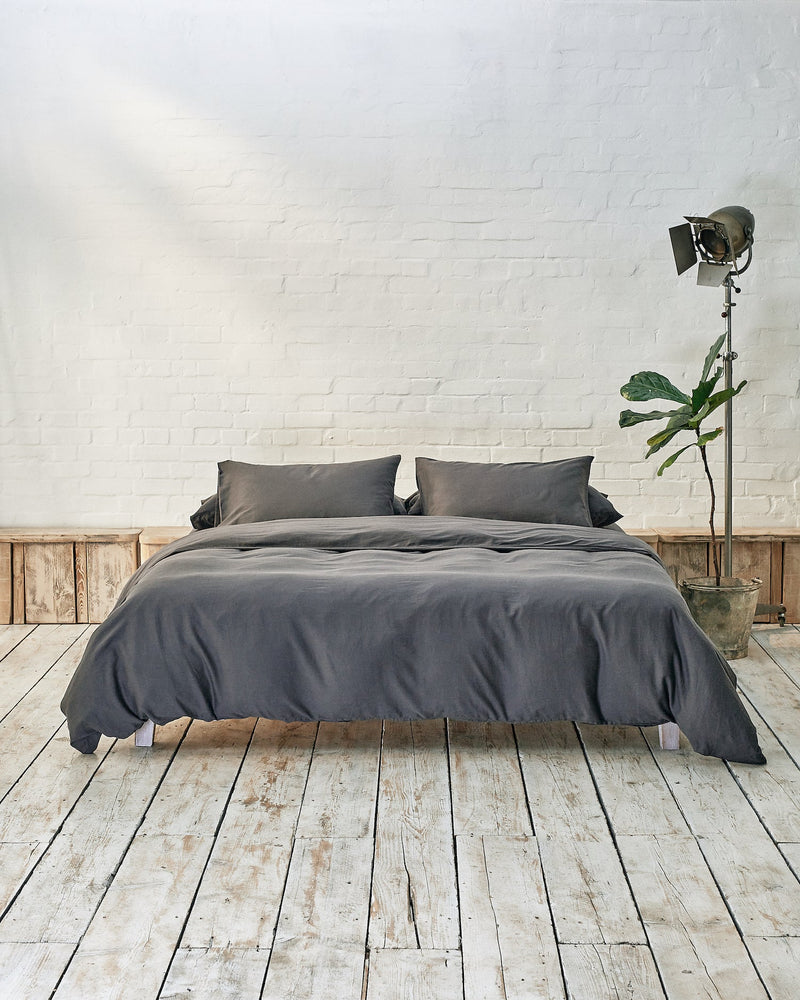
x=63, y=575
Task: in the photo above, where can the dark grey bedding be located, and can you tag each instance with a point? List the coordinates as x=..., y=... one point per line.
x=406, y=618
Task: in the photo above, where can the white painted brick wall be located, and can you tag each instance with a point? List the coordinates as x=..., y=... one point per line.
x=314, y=231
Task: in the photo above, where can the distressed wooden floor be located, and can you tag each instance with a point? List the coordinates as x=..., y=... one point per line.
x=341, y=862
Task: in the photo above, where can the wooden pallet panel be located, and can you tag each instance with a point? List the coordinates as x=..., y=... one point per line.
x=753, y=560
x=108, y=567
x=791, y=579
x=644, y=535
x=102, y=560
x=64, y=575
x=49, y=587
x=153, y=539
x=6, y=589
x=772, y=555
x=81, y=583
x=18, y=583
x=776, y=577
x=684, y=560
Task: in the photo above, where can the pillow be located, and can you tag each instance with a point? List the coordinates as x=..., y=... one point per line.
x=413, y=504
x=543, y=492
x=207, y=514
x=269, y=492
x=601, y=510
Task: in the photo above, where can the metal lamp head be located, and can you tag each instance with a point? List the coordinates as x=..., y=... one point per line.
x=718, y=240
x=725, y=234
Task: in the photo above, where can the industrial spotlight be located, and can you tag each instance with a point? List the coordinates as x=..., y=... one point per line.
x=718, y=241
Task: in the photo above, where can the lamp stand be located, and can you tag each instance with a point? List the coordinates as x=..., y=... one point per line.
x=727, y=366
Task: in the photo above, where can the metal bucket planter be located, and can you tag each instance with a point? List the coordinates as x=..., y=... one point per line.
x=725, y=612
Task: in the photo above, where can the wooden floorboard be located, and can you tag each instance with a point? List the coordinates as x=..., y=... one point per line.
x=256, y=860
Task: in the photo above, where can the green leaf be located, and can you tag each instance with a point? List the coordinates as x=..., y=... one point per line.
x=703, y=391
x=680, y=419
x=724, y=395
x=713, y=402
x=671, y=460
x=711, y=357
x=703, y=440
x=661, y=440
x=630, y=417
x=651, y=385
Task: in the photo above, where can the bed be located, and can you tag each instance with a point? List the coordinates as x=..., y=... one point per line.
x=353, y=611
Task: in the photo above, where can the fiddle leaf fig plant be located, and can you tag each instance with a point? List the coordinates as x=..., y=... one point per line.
x=694, y=407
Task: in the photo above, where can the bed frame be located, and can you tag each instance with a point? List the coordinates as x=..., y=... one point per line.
x=669, y=735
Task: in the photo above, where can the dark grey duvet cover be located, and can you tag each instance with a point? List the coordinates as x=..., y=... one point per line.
x=406, y=618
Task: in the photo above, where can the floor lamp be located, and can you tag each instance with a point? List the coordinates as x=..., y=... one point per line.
x=715, y=243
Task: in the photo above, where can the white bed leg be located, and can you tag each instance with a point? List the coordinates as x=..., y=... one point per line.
x=143, y=737
x=669, y=736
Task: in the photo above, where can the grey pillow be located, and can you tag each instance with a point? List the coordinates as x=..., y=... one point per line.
x=207, y=514
x=542, y=492
x=250, y=493
x=601, y=510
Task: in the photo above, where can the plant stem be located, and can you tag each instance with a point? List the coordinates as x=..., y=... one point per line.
x=714, y=549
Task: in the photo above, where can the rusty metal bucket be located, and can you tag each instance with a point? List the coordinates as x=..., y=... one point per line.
x=725, y=612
